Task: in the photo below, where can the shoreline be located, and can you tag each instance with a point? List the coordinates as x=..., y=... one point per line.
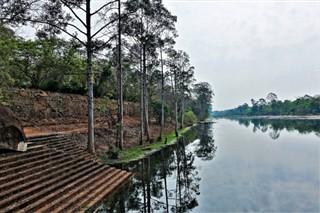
x=136, y=153
x=287, y=117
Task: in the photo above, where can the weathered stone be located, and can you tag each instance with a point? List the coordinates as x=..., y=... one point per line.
x=11, y=131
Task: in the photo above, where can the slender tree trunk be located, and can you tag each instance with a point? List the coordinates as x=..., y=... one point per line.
x=120, y=83
x=176, y=117
x=141, y=100
x=182, y=109
x=175, y=106
x=145, y=95
x=90, y=146
x=162, y=97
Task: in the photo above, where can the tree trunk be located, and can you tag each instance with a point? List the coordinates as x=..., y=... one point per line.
x=175, y=106
x=182, y=109
x=162, y=98
x=176, y=117
x=120, y=84
x=141, y=100
x=145, y=95
x=90, y=146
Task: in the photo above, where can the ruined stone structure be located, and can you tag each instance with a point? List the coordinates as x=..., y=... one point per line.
x=11, y=131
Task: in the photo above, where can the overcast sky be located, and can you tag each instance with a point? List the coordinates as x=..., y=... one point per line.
x=246, y=49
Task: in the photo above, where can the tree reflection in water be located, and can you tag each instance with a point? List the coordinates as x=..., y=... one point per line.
x=167, y=181
x=274, y=126
x=205, y=149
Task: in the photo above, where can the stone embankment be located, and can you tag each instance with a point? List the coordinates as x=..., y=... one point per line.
x=37, y=107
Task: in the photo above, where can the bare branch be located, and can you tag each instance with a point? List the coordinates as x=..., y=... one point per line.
x=104, y=15
x=60, y=28
x=72, y=25
x=83, y=10
x=103, y=28
x=97, y=11
x=79, y=19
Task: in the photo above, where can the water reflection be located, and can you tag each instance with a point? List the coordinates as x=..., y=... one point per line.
x=205, y=149
x=273, y=127
x=167, y=181
x=246, y=174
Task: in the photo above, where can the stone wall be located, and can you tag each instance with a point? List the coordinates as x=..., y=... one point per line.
x=31, y=106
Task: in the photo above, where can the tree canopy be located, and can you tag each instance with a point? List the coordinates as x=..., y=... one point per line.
x=305, y=105
x=128, y=40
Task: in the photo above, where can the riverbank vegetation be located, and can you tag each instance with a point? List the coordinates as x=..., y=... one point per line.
x=306, y=105
x=116, y=156
x=121, y=50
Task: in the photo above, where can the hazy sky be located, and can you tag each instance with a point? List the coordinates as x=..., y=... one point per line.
x=246, y=49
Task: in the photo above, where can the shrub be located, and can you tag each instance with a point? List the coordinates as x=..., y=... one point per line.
x=113, y=153
x=189, y=117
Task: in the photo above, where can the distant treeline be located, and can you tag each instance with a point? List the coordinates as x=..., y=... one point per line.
x=306, y=105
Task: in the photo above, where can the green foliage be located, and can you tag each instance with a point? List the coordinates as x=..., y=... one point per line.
x=113, y=153
x=306, y=105
x=136, y=152
x=50, y=64
x=107, y=108
x=4, y=97
x=106, y=82
x=155, y=110
x=131, y=87
x=189, y=117
x=203, y=102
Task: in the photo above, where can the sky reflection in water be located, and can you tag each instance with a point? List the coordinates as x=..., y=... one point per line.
x=253, y=172
x=227, y=167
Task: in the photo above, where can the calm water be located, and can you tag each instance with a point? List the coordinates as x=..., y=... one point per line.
x=229, y=166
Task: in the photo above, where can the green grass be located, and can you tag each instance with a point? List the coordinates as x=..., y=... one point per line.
x=137, y=152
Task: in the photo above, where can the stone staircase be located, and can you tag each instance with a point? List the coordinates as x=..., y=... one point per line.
x=55, y=175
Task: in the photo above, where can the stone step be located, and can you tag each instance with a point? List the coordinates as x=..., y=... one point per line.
x=94, y=198
x=81, y=153
x=71, y=149
x=20, y=155
x=44, y=178
x=37, y=147
x=21, y=161
x=4, y=179
x=55, y=199
x=62, y=145
x=33, y=176
x=31, y=164
x=21, y=200
x=69, y=204
x=54, y=175
x=40, y=138
x=47, y=143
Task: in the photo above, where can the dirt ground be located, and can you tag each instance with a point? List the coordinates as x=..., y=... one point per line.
x=105, y=137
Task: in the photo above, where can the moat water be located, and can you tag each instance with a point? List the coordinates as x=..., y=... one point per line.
x=229, y=166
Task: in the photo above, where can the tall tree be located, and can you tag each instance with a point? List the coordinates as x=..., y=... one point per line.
x=61, y=16
x=203, y=94
x=182, y=74
x=15, y=12
x=164, y=43
x=120, y=82
x=146, y=21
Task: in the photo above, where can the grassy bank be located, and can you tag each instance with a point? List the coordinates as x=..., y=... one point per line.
x=138, y=152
